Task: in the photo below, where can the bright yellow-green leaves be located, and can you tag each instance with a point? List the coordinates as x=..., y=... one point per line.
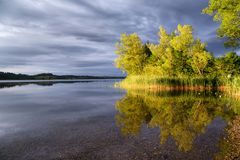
x=200, y=57
x=228, y=65
x=228, y=13
x=178, y=54
x=164, y=38
x=132, y=54
x=200, y=61
x=183, y=39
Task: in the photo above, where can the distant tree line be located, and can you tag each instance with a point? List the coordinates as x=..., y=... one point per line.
x=48, y=76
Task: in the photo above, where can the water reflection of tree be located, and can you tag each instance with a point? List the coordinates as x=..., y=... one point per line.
x=182, y=116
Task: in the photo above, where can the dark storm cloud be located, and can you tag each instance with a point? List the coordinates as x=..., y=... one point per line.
x=72, y=49
x=22, y=51
x=93, y=36
x=87, y=64
x=78, y=36
x=217, y=46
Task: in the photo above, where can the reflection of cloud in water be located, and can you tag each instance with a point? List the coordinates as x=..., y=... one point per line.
x=31, y=107
x=5, y=127
x=15, y=83
x=182, y=116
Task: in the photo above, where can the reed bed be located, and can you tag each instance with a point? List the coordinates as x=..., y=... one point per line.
x=156, y=83
x=234, y=86
x=166, y=83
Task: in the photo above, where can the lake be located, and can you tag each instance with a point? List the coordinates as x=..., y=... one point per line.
x=90, y=119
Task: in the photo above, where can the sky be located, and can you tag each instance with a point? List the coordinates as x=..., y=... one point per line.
x=78, y=36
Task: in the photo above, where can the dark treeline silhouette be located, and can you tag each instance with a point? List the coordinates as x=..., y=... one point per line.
x=41, y=83
x=48, y=76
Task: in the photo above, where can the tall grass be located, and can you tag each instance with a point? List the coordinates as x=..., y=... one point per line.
x=157, y=83
x=234, y=86
x=169, y=83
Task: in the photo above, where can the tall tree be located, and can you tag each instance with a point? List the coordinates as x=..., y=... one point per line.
x=200, y=57
x=183, y=39
x=181, y=43
x=132, y=54
x=227, y=12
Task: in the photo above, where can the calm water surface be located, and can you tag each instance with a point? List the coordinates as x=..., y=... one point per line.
x=92, y=120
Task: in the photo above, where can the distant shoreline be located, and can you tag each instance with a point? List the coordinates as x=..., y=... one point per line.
x=54, y=80
x=5, y=76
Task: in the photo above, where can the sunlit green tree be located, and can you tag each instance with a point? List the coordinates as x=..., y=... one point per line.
x=227, y=12
x=200, y=58
x=132, y=54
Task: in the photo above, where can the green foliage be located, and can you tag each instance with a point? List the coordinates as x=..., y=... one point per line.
x=228, y=65
x=183, y=39
x=132, y=53
x=200, y=58
x=227, y=12
x=178, y=54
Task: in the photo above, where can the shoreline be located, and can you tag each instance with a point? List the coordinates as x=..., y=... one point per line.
x=228, y=90
x=54, y=80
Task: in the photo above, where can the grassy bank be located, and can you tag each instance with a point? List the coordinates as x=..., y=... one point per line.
x=234, y=87
x=165, y=83
x=184, y=83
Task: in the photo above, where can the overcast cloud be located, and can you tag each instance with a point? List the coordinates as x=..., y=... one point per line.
x=78, y=36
